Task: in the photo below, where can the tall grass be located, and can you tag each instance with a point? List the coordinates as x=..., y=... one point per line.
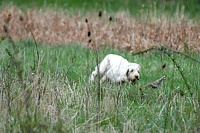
x=60, y=99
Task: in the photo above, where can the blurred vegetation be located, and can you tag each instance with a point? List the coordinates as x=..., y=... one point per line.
x=191, y=7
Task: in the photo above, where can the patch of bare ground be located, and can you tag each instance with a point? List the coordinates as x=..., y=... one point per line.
x=119, y=30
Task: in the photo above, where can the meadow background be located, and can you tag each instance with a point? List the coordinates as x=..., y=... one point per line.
x=49, y=48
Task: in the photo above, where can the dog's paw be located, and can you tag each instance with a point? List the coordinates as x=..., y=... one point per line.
x=91, y=78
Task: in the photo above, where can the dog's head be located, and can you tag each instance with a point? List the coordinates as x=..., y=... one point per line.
x=133, y=71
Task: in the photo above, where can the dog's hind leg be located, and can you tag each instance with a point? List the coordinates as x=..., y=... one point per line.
x=101, y=70
x=93, y=75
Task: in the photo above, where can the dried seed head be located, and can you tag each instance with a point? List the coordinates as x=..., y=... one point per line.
x=89, y=41
x=163, y=66
x=21, y=18
x=110, y=18
x=100, y=13
x=5, y=28
x=142, y=34
x=89, y=33
x=7, y=20
x=86, y=20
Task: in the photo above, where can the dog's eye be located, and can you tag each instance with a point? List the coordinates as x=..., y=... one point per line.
x=131, y=70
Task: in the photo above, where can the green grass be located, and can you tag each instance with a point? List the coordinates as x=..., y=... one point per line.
x=191, y=7
x=57, y=98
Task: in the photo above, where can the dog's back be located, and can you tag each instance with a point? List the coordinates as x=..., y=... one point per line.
x=115, y=61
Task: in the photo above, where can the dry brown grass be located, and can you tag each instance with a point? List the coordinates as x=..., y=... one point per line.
x=57, y=28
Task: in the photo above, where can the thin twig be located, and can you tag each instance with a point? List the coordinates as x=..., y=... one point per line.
x=163, y=48
x=181, y=72
x=36, y=45
x=144, y=51
x=177, y=52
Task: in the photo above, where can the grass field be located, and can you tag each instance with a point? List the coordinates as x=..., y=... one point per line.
x=134, y=6
x=55, y=96
x=44, y=83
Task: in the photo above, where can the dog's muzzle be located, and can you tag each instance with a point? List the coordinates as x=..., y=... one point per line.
x=134, y=79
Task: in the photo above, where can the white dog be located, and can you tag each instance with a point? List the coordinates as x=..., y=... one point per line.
x=116, y=69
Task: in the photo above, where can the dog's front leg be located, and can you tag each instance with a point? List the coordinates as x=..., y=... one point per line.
x=92, y=76
x=103, y=79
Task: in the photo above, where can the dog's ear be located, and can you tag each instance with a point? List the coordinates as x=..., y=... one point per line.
x=127, y=73
x=129, y=70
